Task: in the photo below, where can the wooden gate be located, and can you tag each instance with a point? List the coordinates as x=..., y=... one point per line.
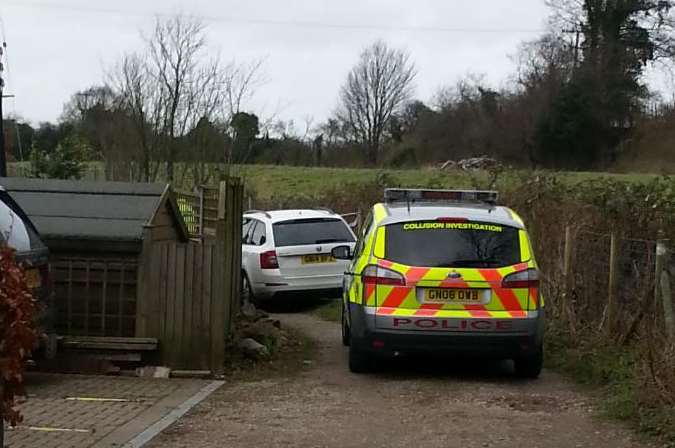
x=189, y=292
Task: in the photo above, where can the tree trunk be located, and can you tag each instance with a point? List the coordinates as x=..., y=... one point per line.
x=372, y=154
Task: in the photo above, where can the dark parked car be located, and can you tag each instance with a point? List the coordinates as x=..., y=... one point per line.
x=18, y=232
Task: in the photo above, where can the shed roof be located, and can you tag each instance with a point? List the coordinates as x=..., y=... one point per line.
x=99, y=211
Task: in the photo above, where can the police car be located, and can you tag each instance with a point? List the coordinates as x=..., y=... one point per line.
x=442, y=271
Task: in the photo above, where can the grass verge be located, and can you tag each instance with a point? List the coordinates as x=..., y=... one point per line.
x=329, y=311
x=615, y=378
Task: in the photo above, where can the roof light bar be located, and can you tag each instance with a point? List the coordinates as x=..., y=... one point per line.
x=420, y=195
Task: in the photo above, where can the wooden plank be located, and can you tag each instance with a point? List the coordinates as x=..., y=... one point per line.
x=103, y=298
x=219, y=300
x=168, y=336
x=112, y=340
x=179, y=308
x=157, y=286
x=116, y=357
x=205, y=333
x=191, y=374
x=108, y=346
x=164, y=233
x=146, y=290
x=86, y=303
x=186, y=342
x=120, y=300
x=70, y=298
x=197, y=344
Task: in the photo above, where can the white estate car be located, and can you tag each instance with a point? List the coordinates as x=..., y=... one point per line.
x=288, y=252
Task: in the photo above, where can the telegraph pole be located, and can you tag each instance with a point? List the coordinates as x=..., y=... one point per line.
x=3, y=157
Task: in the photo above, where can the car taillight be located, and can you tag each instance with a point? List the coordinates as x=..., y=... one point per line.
x=269, y=260
x=522, y=280
x=376, y=275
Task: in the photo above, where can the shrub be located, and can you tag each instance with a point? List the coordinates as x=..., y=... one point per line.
x=18, y=336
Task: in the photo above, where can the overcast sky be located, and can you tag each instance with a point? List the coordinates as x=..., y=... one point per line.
x=56, y=47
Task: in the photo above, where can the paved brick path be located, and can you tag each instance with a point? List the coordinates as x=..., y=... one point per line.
x=85, y=411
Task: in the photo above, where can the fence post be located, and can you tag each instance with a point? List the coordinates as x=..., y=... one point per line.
x=219, y=307
x=663, y=286
x=567, y=257
x=567, y=278
x=611, y=290
x=658, y=268
x=201, y=211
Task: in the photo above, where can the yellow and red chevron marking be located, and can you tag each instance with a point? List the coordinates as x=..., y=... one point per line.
x=402, y=300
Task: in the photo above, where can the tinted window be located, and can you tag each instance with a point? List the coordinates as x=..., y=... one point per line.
x=301, y=232
x=15, y=227
x=258, y=236
x=245, y=228
x=435, y=244
x=365, y=230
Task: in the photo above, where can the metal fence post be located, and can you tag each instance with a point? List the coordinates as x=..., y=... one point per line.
x=611, y=290
x=663, y=286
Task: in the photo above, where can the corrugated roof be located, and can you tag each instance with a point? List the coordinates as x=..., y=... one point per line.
x=76, y=186
x=102, y=211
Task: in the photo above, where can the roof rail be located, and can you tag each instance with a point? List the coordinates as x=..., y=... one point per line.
x=324, y=209
x=251, y=212
x=410, y=196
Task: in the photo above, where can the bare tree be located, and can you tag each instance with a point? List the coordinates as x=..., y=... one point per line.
x=142, y=104
x=240, y=83
x=376, y=88
x=176, y=96
x=176, y=48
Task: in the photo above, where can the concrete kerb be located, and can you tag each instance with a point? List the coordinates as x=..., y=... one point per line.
x=154, y=430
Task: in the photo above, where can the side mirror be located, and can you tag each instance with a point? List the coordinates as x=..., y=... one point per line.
x=342, y=253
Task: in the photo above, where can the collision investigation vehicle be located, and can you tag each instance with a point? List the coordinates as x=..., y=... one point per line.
x=442, y=271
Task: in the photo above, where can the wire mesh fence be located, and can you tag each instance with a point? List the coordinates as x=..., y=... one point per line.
x=612, y=284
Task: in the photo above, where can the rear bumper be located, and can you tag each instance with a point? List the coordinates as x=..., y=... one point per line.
x=274, y=285
x=476, y=336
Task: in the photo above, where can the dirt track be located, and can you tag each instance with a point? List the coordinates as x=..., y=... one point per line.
x=423, y=405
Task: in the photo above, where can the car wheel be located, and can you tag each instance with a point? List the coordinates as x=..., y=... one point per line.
x=246, y=292
x=529, y=367
x=346, y=331
x=360, y=361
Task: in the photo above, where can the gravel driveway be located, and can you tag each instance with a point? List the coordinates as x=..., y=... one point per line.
x=413, y=404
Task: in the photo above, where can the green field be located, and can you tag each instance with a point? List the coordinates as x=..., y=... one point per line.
x=269, y=181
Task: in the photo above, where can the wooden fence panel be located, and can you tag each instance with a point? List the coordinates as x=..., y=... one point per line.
x=191, y=290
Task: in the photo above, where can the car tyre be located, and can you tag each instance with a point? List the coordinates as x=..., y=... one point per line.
x=529, y=367
x=346, y=331
x=246, y=291
x=360, y=361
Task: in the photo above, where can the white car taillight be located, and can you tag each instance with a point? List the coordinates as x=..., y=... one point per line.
x=522, y=280
x=376, y=275
x=269, y=260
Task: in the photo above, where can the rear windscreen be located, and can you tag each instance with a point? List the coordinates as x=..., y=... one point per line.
x=303, y=232
x=460, y=245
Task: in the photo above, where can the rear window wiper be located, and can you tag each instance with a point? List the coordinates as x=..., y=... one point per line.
x=330, y=240
x=489, y=262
